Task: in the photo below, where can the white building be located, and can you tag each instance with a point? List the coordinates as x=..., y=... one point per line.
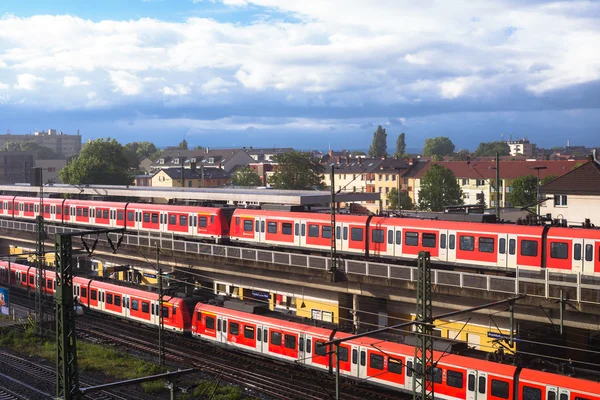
x=520, y=147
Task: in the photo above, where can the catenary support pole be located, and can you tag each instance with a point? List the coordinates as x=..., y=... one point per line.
x=161, y=321
x=337, y=371
x=333, y=267
x=423, y=387
x=498, y=187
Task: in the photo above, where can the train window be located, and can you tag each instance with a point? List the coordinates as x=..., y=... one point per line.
x=31, y=279
x=354, y=356
x=394, y=366
x=512, y=244
x=117, y=301
x=83, y=292
x=257, y=227
x=172, y=219
x=49, y=284
x=265, y=339
x=47, y=209
x=502, y=246
x=357, y=234
x=248, y=332
x=313, y=230
x=581, y=398
x=212, y=219
x=234, y=328
x=486, y=245
x=561, y=250
x=377, y=236
x=301, y=344
x=326, y=232
x=248, y=225
x=109, y=298
x=338, y=232
x=174, y=310
x=210, y=323
x=482, y=385
x=530, y=393
x=409, y=368
x=320, y=349
x=345, y=233
x=276, y=338
x=429, y=240
x=259, y=334
x=467, y=243
x=363, y=358
x=471, y=383
x=398, y=237
x=411, y=239
x=105, y=214
x=529, y=248
x=198, y=316
x=297, y=229
x=589, y=252
x=129, y=215
x=272, y=227
x=289, y=342
x=24, y=278
x=442, y=241
x=154, y=218
x=551, y=396
x=145, y=307
x=85, y=212
x=454, y=379
x=452, y=242
x=203, y=222
x=286, y=228
x=390, y=237
x=237, y=221
x=262, y=226
x=343, y=352
x=135, y=305
x=499, y=389
x=93, y=294
x=437, y=375
x=376, y=361
x=79, y=212
x=183, y=220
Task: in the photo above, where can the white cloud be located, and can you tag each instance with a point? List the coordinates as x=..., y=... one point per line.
x=126, y=83
x=4, y=86
x=216, y=85
x=71, y=81
x=91, y=95
x=28, y=81
x=176, y=90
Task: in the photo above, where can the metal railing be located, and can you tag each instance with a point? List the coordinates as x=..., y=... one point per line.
x=541, y=283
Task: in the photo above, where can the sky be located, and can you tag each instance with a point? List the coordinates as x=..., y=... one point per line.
x=311, y=74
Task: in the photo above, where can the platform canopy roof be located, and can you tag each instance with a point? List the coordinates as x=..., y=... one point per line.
x=262, y=196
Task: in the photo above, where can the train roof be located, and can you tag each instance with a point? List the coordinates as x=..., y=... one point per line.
x=130, y=291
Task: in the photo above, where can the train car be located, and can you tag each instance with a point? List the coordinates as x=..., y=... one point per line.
x=538, y=385
x=574, y=250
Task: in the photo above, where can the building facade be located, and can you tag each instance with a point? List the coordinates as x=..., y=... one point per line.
x=15, y=166
x=520, y=147
x=192, y=178
x=51, y=169
x=66, y=145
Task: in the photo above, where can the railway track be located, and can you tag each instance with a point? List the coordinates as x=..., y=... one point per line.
x=274, y=379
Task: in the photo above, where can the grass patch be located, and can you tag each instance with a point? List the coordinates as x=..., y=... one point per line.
x=223, y=391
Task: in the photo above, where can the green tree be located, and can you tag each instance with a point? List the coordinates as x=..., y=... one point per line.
x=137, y=151
x=491, y=148
x=439, y=188
x=246, y=177
x=401, y=145
x=523, y=191
x=41, y=152
x=198, y=148
x=183, y=145
x=440, y=146
x=461, y=155
x=547, y=179
x=297, y=171
x=402, y=202
x=357, y=153
x=379, y=146
x=101, y=162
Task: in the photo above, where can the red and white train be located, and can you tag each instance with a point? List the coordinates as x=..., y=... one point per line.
x=368, y=359
x=455, y=243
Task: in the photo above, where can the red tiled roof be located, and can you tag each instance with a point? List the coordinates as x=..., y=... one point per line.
x=583, y=180
x=508, y=169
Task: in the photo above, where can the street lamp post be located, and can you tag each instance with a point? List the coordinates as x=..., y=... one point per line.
x=538, y=187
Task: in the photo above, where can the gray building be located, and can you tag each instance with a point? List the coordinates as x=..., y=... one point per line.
x=51, y=169
x=59, y=142
x=15, y=166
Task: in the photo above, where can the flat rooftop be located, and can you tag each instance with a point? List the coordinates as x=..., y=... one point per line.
x=262, y=196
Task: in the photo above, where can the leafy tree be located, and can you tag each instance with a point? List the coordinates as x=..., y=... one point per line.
x=441, y=146
x=401, y=145
x=41, y=152
x=439, y=188
x=183, y=145
x=547, y=179
x=491, y=148
x=198, y=148
x=101, y=162
x=246, y=177
x=137, y=151
x=403, y=202
x=523, y=191
x=461, y=155
x=357, y=153
x=297, y=171
x=379, y=146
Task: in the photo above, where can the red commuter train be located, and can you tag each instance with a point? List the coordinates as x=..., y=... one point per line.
x=367, y=359
x=478, y=245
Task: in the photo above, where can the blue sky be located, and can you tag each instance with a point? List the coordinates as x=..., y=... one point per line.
x=310, y=74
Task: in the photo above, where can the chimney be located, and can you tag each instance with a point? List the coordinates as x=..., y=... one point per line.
x=219, y=165
x=359, y=160
x=207, y=150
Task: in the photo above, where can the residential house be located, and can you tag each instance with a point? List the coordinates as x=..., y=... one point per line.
x=575, y=196
x=478, y=179
x=143, y=180
x=267, y=154
x=193, y=178
x=225, y=159
x=145, y=165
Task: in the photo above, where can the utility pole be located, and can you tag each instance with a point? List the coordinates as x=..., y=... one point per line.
x=40, y=250
x=423, y=387
x=498, y=187
x=333, y=266
x=181, y=160
x=161, y=321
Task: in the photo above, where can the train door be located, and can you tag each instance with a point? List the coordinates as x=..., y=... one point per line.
x=471, y=385
x=391, y=247
x=301, y=349
x=354, y=366
x=564, y=394
x=265, y=340
x=551, y=393
x=451, y=251
x=511, y=254
x=583, y=256
x=577, y=265
x=502, y=250
x=443, y=246
x=340, y=243
x=221, y=329
x=259, y=229
x=410, y=372
x=297, y=237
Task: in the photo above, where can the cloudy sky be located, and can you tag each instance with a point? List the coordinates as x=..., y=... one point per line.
x=307, y=74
